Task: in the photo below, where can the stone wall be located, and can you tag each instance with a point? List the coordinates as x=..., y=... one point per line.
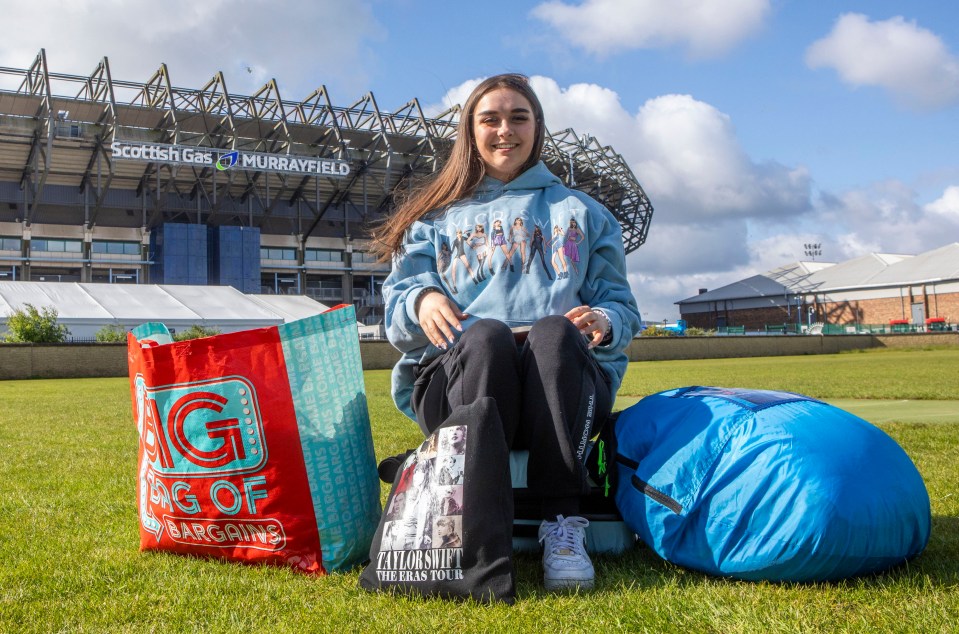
x=669, y=348
x=51, y=361
x=918, y=339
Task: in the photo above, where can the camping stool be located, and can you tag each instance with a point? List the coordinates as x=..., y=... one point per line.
x=607, y=533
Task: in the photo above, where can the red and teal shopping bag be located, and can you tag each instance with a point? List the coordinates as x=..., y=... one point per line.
x=255, y=446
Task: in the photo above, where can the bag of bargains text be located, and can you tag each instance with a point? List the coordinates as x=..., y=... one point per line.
x=255, y=446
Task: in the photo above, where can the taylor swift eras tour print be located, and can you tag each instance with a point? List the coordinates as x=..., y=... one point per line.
x=426, y=511
x=474, y=254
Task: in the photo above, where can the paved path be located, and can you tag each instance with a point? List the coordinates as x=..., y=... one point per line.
x=902, y=411
x=878, y=411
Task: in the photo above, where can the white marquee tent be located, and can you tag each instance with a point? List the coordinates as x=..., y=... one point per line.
x=86, y=308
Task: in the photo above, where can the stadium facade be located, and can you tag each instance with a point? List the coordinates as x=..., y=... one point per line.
x=121, y=182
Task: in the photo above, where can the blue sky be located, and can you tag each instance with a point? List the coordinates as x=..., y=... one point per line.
x=754, y=126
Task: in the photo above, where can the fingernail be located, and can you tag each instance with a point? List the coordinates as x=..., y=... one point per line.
x=442, y=345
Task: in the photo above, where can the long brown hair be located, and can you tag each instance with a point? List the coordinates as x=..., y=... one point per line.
x=461, y=173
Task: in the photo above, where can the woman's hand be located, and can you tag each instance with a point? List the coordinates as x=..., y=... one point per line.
x=591, y=323
x=438, y=316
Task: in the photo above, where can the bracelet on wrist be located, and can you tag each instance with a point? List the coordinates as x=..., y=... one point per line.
x=422, y=294
x=608, y=330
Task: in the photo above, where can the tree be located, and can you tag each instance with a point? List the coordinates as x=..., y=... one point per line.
x=30, y=325
x=195, y=332
x=656, y=331
x=111, y=334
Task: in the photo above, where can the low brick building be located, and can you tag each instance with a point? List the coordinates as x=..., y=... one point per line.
x=872, y=289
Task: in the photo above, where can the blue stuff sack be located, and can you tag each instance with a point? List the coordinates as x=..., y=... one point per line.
x=764, y=485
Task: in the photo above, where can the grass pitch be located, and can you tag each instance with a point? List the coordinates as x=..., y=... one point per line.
x=69, y=535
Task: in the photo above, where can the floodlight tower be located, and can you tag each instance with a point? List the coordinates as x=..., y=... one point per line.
x=813, y=249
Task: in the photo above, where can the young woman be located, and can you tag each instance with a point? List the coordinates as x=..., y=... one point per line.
x=446, y=531
x=571, y=248
x=479, y=243
x=518, y=235
x=557, y=243
x=459, y=255
x=499, y=240
x=554, y=391
x=536, y=246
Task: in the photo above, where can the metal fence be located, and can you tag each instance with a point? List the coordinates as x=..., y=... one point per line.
x=839, y=329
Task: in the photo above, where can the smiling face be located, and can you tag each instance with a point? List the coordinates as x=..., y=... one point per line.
x=419, y=477
x=505, y=129
x=398, y=501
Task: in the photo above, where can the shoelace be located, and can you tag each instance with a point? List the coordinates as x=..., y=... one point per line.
x=567, y=533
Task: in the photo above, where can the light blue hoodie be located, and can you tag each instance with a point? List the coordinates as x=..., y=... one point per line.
x=575, y=229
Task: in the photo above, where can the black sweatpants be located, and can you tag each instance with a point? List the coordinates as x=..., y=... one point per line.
x=551, y=394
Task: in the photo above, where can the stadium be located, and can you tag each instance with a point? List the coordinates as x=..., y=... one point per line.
x=122, y=182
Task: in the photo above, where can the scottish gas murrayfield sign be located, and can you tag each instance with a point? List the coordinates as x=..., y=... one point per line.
x=224, y=160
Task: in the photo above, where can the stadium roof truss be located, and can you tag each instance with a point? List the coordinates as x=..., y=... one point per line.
x=56, y=133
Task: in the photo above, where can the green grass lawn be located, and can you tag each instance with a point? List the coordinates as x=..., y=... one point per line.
x=69, y=531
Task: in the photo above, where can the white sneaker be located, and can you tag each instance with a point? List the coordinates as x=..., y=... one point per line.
x=565, y=562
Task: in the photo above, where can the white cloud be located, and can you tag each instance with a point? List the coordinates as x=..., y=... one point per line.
x=947, y=206
x=655, y=295
x=687, y=249
x=911, y=63
x=455, y=96
x=882, y=218
x=302, y=45
x=887, y=218
x=585, y=108
x=704, y=28
x=689, y=156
